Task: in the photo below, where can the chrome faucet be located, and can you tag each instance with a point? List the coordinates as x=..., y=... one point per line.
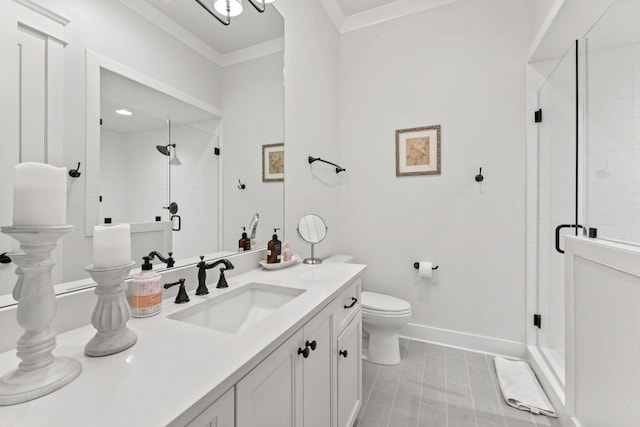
x=202, y=274
x=253, y=227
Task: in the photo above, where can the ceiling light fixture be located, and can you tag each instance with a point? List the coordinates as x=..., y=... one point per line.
x=225, y=9
x=124, y=112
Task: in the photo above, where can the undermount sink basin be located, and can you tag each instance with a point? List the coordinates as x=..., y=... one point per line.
x=237, y=309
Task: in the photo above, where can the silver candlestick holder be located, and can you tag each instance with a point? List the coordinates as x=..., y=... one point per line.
x=39, y=372
x=112, y=312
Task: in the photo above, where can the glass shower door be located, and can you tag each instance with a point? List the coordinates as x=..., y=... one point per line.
x=556, y=204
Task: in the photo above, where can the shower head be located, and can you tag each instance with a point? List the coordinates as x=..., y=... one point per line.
x=164, y=149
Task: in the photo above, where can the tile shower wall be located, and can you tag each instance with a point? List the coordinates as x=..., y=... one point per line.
x=133, y=182
x=612, y=172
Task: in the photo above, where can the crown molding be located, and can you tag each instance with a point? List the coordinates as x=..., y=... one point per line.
x=370, y=17
x=253, y=52
x=44, y=11
x=170, y=26
x=176, y=30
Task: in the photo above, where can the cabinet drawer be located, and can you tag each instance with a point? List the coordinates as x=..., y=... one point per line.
x=347, y=305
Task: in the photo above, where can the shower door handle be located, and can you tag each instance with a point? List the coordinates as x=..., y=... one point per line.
x=179, y=218
x=560, y=227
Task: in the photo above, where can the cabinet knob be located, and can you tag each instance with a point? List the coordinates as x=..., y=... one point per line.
x=304, y=352
x=343, y=353
x=353, y=302
x=311, y=344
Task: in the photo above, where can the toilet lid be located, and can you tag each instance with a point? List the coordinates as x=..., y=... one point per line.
x=384, y=303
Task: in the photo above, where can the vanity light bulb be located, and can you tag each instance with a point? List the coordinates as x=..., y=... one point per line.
x=235, y=7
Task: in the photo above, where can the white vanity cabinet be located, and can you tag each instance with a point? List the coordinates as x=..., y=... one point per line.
x=219, y=414
x=288, y=389
x=349, y=378
x=270, y=394
x=317, y=371
x=347, y=392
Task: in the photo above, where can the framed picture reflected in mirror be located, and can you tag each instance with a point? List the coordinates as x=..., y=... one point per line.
x=272, y=162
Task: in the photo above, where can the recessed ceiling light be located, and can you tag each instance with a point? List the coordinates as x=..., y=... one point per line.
x=124, y=112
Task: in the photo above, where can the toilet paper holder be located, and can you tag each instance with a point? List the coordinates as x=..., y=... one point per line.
x=416, y=265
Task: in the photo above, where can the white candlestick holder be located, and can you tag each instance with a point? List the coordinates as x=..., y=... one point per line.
x=112, y=312
x=39, y=372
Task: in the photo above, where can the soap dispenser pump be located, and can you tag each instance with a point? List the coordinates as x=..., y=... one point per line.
x=274, y=249
x=244, y=244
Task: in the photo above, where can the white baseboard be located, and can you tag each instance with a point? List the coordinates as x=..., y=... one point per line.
x=464, y=340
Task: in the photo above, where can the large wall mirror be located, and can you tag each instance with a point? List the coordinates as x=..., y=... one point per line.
x=150, y=142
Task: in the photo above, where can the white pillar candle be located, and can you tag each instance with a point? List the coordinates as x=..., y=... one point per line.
x=39, y=195
x=111, y=245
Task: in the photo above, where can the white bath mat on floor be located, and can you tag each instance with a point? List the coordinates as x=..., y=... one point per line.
x=520, y=387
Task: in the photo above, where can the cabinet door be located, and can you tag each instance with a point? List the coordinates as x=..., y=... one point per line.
x=349, y=354
x=269, y=395
x=317, y=371
x=219, y=414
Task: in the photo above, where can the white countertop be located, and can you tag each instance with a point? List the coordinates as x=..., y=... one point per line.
x=174, y=365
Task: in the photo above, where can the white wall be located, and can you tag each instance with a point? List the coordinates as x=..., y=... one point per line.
x=312, y=116
x=114, y=31
x=461, y=66
x=253, y=103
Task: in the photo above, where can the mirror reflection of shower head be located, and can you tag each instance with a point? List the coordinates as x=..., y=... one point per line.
x=164, y=149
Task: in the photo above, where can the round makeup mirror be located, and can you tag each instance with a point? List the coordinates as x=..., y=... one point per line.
x=312, y=229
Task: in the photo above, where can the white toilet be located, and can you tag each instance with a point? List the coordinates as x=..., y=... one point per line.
x=383, y=316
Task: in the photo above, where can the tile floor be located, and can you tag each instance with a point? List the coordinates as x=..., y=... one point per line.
x=437, y=386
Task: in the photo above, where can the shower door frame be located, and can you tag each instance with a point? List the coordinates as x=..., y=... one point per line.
x=543, y=357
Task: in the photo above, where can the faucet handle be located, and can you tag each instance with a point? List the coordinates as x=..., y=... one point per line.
x=182, y=296
x=222, y=281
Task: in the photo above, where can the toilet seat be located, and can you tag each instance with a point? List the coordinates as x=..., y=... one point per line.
x=384, y=305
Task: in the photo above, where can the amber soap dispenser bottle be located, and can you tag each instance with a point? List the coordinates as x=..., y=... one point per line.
x=274, y=249
x=244, y=244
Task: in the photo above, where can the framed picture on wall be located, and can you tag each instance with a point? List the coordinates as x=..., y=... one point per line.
x=418, y=151
x=272, y=162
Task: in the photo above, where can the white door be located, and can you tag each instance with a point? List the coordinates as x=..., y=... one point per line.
x=270, y=395
x=349, y=356
x=317, y=371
